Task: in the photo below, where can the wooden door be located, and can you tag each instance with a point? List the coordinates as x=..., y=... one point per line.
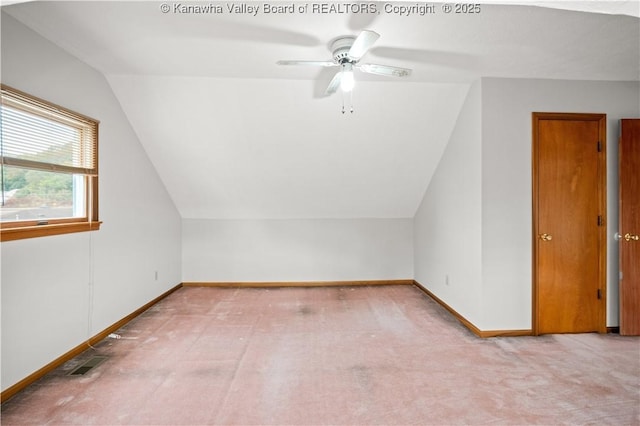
x=569, y=208
x=629, y=174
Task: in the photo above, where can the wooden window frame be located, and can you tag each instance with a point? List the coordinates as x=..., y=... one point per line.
x=18, y=230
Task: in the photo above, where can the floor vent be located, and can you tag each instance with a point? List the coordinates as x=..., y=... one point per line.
x=88, y=365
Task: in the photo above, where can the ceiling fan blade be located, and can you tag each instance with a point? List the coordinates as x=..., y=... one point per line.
x=362, y=44
x=335, y=83
x=387, y=70
x=311, y=63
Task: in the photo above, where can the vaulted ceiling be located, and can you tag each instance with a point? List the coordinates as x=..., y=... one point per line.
x=234, y=135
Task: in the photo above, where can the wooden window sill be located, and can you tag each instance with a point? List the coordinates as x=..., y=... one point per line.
x=21, y=233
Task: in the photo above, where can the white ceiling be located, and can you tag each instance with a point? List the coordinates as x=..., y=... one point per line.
x=233, y=135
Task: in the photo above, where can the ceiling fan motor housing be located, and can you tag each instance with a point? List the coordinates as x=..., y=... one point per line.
x=340, y=48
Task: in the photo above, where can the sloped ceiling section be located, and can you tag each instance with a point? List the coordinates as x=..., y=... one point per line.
x=233, y=135
x=246, y=148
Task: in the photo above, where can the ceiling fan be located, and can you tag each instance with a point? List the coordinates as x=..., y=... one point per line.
x=347, y=52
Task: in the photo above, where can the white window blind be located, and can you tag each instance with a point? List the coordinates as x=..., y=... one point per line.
x=38, y=135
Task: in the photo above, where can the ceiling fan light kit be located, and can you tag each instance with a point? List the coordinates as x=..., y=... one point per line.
x=347, y=52
x=347, y=82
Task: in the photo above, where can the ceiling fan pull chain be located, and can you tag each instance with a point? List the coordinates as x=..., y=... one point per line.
x=350, y=102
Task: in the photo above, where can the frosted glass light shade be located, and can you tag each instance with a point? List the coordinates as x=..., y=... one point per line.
x=347, y=82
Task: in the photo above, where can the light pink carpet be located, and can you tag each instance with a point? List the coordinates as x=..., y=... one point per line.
x=340, y=356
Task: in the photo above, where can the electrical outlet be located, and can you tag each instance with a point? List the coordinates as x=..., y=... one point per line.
x=446, y=279
x=156, y=276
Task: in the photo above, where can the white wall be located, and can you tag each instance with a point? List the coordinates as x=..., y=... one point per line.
x=447, y=225
x=296, y=250
x=475, y=222
x=507, y=105
x=47, y=283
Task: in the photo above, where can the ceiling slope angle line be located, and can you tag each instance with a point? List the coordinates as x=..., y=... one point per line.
x=347, y=52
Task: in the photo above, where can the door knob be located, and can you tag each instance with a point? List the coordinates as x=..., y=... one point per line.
x=545, y=237
x=629, y=237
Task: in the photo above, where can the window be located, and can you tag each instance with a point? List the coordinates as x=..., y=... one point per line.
x=49, y=175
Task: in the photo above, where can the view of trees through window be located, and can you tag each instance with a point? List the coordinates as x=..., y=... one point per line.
x=36, y=195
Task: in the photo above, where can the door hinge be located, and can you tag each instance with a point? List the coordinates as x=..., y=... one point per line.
x=600, y=220
x=599, y=294
x=599, y=146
